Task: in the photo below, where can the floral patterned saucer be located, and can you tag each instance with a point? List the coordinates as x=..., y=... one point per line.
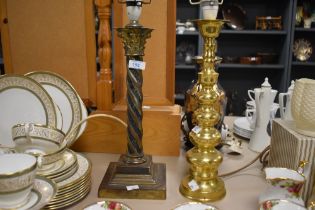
x=280, y=205
x=108, y=205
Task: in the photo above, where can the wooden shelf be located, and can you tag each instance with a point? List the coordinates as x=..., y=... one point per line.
x=251, y=66
x=300, y=63
x=305, y=29
x=254, y=32
x=183, y=66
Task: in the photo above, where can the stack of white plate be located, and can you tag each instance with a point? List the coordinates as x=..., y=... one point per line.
x=41, y=98
x=48, y=99
x=74, y=188
x=241, y=128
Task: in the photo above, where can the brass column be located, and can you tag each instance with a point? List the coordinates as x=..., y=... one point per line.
x=134, y=39
x=202, y=183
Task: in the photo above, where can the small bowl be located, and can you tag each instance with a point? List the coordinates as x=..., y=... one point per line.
x=39, y=140
x=17, y=174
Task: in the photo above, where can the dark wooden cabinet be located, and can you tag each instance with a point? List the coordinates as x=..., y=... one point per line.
x=237, y=77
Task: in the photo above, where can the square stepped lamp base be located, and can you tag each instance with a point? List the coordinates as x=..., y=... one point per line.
x=149, y=177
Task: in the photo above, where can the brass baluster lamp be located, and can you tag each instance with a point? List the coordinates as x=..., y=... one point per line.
x=202, y=183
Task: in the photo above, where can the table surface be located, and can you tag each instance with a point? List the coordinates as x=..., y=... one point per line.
x=242, y=188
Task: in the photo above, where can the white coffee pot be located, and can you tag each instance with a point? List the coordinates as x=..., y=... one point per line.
x=264, y=98
x=285, y=108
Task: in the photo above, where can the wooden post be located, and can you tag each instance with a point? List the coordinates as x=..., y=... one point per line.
x=104, y=83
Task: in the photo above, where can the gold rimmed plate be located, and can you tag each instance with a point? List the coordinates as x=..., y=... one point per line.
x=64, y=95
x=64, y=204
x=69, y=159
x=70, y=196
x=84, y=170
x=23, y=100
x=42, y=193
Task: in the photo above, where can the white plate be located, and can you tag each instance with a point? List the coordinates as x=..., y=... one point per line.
x=195, y=206
x=83, y=126
x=23, y=100
x=43, y=191
x=64, y=95
x=242, y=123
x=83, y=170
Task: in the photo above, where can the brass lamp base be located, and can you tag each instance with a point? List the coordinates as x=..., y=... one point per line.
x=148, y=176
x=210, y=190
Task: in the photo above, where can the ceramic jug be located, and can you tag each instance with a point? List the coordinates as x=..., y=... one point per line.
x=285, y=108
x=264, y=98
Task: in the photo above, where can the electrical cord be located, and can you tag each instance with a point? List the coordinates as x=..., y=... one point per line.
x=262, y=157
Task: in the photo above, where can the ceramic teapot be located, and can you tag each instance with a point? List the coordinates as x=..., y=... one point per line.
x=264, y=98
x=285, y=108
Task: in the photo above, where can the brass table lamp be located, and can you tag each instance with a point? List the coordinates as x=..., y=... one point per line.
x=202, y=183
x=135, y=175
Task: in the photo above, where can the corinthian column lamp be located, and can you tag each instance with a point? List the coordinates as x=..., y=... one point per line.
x=135, y=175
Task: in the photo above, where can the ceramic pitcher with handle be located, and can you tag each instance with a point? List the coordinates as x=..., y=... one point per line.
x=285, y=108
x=264, y=98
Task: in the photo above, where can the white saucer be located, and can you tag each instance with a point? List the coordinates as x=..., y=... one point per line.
x=242, y=123
x=43, y=191
x=61, y=166
x=280, y=205
x=195, y=206
x=271, y=194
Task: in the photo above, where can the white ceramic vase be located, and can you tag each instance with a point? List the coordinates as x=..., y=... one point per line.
x=303, y=106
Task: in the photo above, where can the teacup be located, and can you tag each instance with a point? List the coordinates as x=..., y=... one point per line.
x=285, y=182
x=17, y=174
x=39, y=140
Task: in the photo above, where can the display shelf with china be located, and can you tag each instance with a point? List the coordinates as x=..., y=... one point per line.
x=302, y=55
x=187, y=46
x=249, y=53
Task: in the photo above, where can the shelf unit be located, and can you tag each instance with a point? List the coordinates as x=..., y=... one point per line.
x=236, y=78
x=298, y=69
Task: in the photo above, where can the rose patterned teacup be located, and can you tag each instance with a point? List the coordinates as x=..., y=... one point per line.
x=285, y=184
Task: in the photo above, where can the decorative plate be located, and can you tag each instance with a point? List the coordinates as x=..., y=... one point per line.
x=302, y=49
x=236, y=16
x=107, y=205
x=23, y=100
x=64, y=95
